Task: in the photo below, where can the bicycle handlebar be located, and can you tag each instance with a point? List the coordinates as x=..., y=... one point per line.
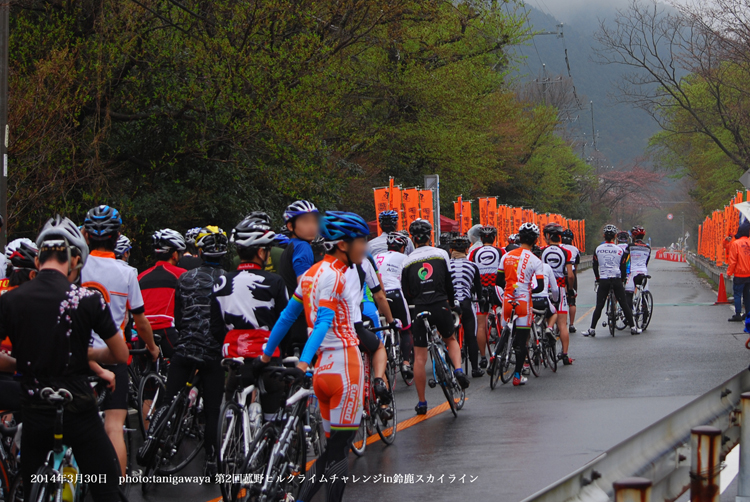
x=387, y=327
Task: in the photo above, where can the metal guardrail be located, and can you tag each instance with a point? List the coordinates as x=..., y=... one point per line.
x=586, y=263
x=661, y=453
x=711, y=270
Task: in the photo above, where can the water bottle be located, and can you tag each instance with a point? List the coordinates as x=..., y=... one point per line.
x=255, y=412
x=192, y=397
x=70, y=473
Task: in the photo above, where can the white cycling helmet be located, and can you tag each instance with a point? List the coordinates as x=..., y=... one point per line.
x=60, y=231
x=168, y=241
x=123, y=246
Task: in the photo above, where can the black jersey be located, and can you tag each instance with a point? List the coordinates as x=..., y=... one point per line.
x=426, y=278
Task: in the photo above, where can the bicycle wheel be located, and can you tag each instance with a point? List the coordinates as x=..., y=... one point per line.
x=507, y=359
x=459, y=394
x=256, y=462
x=386, y=420
x=493, y=370
x=183, y=446
x=612, y=314
x=231, y=448
x=47, y=490
x=317, y=435
x=360, y=438
x=152, y=386
x=647, y=307
x=492, y=334
x=534, y=351
x=392, y=365
x=550, y=347
x=293, y=466
x=440, y=370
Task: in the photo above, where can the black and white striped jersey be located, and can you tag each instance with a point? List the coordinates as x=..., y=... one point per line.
x=467, y=281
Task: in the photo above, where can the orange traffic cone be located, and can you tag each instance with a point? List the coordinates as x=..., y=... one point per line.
x=722, y=299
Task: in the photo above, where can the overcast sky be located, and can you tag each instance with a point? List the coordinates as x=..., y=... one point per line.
x=565, y=9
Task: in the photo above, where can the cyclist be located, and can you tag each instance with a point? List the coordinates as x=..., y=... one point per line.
x=474, y=236
x=560, y=260
x=192, y=313
x=391, y=266
x=280, y=242
x=512, y=243
x=467, y=284
x=339, y=376
x=118, y=284
x=247, y=303
x=572, y=292
x=158, y=284
x=427, y=284
x=51, y=312
x=388, y=223
x=122, y=248
x=640, y=254
x=610, y=269
x=190, y=258
x=359, y=277
x=518, y=270
x=487, y=257
x=542, y=299
x=623, y=239
x=301, y=220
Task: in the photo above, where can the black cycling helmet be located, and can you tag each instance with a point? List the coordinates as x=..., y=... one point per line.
x=21, y=254
x=552, y=230
x=212, y=241
x=396, y=241
x=568, y=236
x=253, y=232
x=487, y=234
x=388, y=220
x=420, y=231
x=102, y=222
x=609, y=232
x=528, y=233
x=460, y=243
x=623, y=237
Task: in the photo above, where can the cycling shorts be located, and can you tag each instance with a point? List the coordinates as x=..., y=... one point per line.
x=440, y=316
x=544, y=304
x=522, y=310
x=399, y=307
x=168, y=340
x=368, y=340
x=117, y=399
x=338, y=383
x=562, y=304
x=495, y=295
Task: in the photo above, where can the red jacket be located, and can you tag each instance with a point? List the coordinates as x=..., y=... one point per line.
x=739, y=258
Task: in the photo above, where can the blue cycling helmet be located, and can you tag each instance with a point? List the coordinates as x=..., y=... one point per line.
x=342, y=226
x=102, y=222
x=388, y=220
x=299, y=208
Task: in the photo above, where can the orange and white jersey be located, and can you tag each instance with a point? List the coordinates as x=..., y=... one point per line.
x=323, y=286
x=520, y=267
x=117, y=282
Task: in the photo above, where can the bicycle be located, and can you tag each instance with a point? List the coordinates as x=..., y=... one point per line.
x=11, y=481
x=503, y=360
x=612, y=315
x=643, y=304
x=179, y=432
x=279, y=451
x=56, y=478
x=151, y=387
x=442, y=366
x=375, y=415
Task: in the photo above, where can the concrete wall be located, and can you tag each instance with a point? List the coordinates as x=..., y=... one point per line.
x=586, y=263
x=711, y=270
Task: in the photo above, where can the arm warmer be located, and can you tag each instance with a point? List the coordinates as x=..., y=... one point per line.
x=322, y=322
x=281, y=328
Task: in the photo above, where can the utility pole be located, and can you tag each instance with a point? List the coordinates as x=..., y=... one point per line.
x=4, y=133
x=593, y=130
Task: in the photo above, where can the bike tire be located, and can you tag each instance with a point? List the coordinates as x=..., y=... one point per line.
x=317, y=431
x=439, y=368
x=294, y=461
x=493, y=370
x=188, y=439
x=551, y=348
x=387, y=428
x=152, y=386
x=359, y=444
x=534, y=352
x=256, y=462
x=507, y=359
x=43, y=492
x=647, y=303
x=231, y=445
x=457, y=389
x=620, y=319
x=612, y=314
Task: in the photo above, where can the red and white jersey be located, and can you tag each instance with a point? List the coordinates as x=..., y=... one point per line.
x=117, y=282
x=323, y=285
x=487, y=259
x=520, y=267
x=574, y=253
x=391, y=266
x=557, y=258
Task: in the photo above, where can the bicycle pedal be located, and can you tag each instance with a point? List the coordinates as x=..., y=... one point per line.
x=432, y=383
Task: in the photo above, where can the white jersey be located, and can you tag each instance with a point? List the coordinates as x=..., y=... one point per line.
x=640, y=253
x=608, y=260
x=117, y=282
x=3, y=266
x=391, y=266
x=550, y=285
x=574, y=253
x=354, y=289
x=379, y=245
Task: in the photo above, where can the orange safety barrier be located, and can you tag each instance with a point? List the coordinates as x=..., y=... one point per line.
x=663, y=254
x=714, y=230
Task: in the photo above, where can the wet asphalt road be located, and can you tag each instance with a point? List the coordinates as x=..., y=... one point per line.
x=513, y=442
